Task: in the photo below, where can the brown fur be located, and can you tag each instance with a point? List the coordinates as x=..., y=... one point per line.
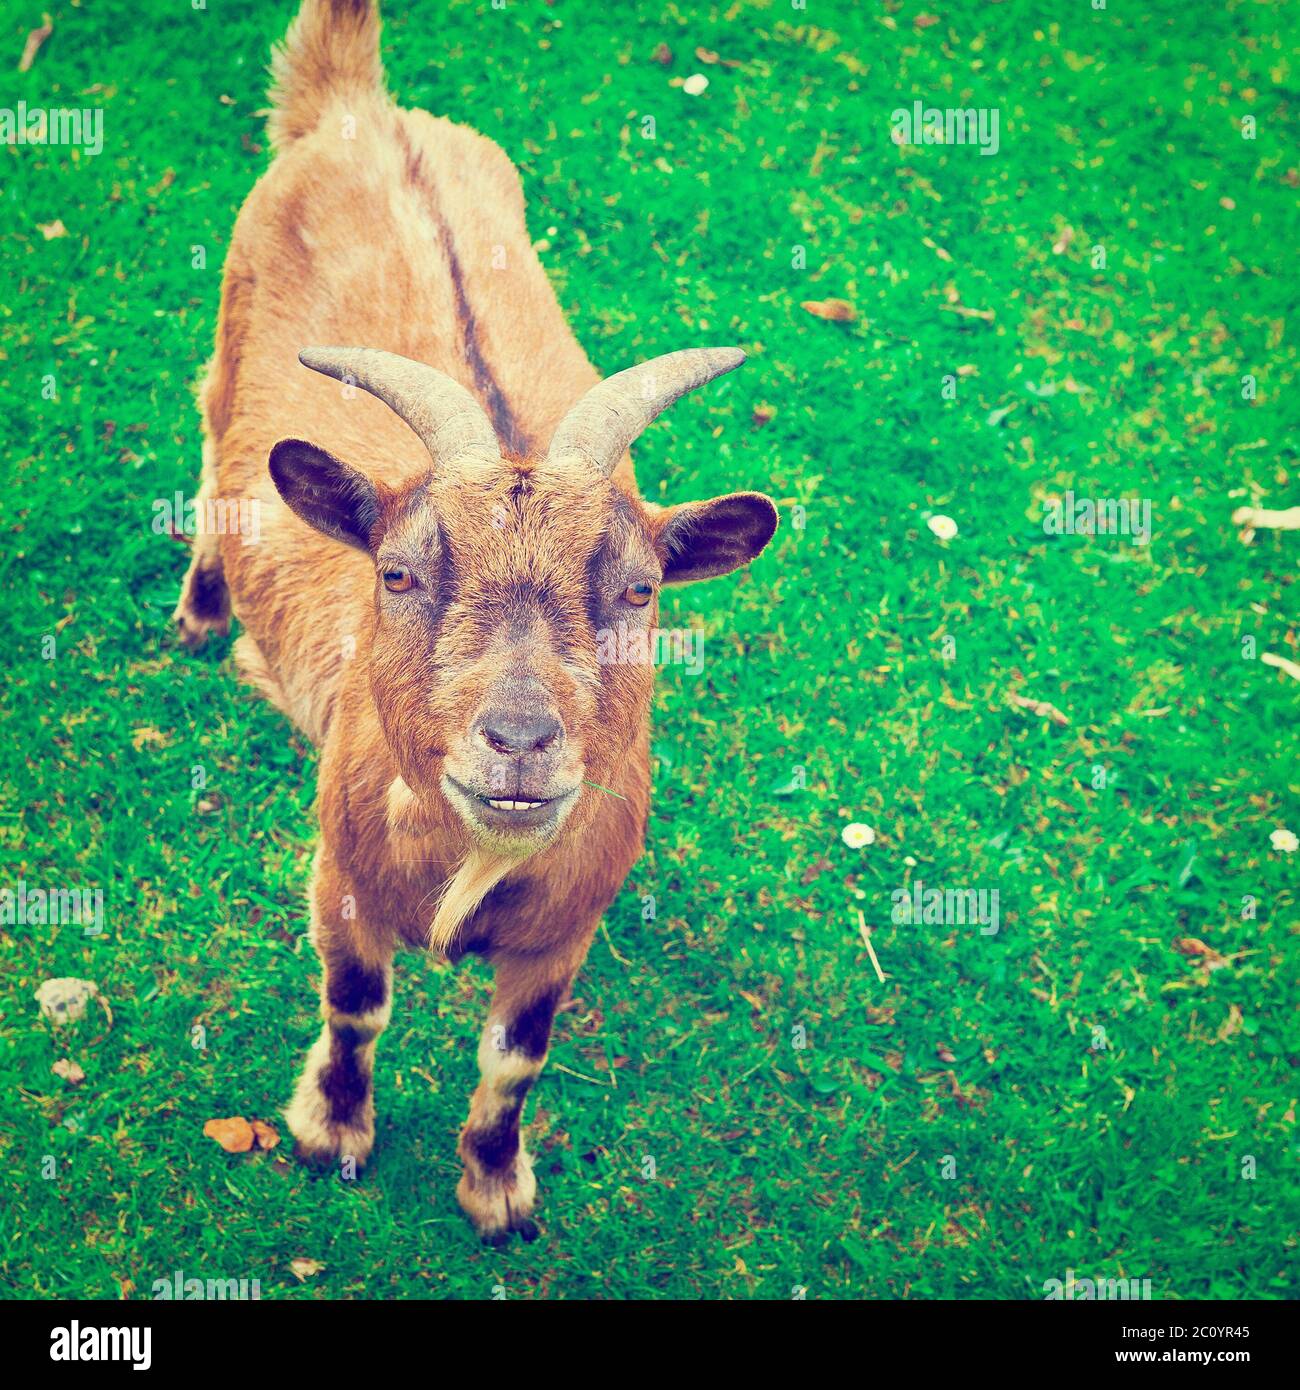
x=394, y=230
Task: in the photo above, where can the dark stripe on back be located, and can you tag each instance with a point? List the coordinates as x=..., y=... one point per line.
x=485, y=383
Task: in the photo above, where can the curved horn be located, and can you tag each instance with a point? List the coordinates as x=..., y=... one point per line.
x=450, y=422
x=611, y=415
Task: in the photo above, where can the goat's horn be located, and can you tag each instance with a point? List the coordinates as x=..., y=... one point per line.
x=611, y=415
x=450, y=422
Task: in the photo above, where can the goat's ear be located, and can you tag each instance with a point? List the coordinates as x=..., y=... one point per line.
x=325, y=492
x=701, y=539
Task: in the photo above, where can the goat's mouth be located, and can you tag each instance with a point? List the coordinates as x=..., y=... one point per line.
x=506, y=813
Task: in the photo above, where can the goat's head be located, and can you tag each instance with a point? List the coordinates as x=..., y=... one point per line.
x=514, y=599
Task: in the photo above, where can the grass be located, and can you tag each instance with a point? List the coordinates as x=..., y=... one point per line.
x=1072, y=1092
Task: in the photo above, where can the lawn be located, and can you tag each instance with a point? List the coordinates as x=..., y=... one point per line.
x=1107, y=1083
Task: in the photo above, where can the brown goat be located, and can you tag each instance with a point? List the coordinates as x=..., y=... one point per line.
x=441, y=632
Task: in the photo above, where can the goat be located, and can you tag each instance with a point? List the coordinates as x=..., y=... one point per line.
x=429, y=612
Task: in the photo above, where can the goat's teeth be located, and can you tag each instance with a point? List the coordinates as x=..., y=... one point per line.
x=515, y=805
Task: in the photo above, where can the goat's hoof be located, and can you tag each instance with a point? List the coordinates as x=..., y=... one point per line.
x=528, y=1230
x=500, y=1205
x=320, y=1142
x=192, y=631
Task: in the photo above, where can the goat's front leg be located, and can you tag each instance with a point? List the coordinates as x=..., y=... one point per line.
x=332, y=1114
x=497, y=1188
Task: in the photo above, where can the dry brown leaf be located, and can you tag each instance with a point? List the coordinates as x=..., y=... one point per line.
x=814, y=870
x=235, y=1135
x=964, y=312
x=1039, y=707
x=69, y=1071
x=1193, y=946
x=1231, y=1025
x=1062, y=242
x=304, y=1269
x=50, y=230
x=924, y=21
x=944, y=1052
x=836, y=310
x=663, y=55
x=34, y=41
x=763, y=414
x=267, y=1136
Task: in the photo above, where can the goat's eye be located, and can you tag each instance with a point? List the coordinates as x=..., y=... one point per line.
x=638, y=595
x=398, y=579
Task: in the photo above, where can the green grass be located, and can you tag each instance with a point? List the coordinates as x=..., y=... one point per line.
x=777, y=1167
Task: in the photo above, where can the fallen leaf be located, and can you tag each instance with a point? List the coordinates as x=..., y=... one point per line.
x=235, y=1135
x=924, y=21
x=34, y=41
x=267, y=1136
x=304, y=1269
x=964, y=312
x=814, y=870
x=1039, y=707
x=663, y=55
x=836, y=310
x=50, y=230
x=1230, y=1025
x=763, y=414
x=1062, y=242
x=1193, y=946
x=945, y=1053
x=69, y=1071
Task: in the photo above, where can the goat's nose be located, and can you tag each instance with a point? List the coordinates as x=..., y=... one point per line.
x=519, y=733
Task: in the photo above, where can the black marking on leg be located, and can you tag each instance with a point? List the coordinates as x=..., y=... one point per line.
x=530, y=1029
x=516, y=1090
x=496, y=1146
x=344, y=1082
x=354, y=988
x=209, y=597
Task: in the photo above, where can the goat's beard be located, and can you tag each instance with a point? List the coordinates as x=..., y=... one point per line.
x=479, y=873
x=483, y=867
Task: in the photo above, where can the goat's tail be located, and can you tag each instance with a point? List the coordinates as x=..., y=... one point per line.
x=330, y=55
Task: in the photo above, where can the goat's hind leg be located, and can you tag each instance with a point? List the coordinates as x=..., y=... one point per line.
x=204, y=604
